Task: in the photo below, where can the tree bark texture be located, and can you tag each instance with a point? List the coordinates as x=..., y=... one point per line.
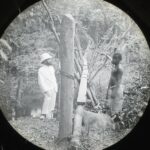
x=79, y=111
x=67, y=73
x=75, y=141
x=83, y=83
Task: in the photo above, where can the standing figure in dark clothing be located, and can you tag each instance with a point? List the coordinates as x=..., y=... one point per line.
x=114, y=94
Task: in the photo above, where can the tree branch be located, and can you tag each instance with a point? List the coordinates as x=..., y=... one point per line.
x=1, y=81
x=98, y=70
x=52, y=22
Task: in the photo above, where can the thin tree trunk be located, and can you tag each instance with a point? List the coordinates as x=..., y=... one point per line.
x=90, y=93
x=81, y=100
x=83, y=83
x=67, y=72
x=52, y=22
x=19, y=88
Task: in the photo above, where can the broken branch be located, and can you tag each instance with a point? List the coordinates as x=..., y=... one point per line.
x=52, y=22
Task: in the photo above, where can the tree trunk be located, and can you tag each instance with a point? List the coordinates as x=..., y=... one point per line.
x=83, y=83
x=67, y=74
x=19, y=88
x=80, y=100
x=75, y=141
x=90, y=93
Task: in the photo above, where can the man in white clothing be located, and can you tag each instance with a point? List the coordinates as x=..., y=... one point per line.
x=48, y=85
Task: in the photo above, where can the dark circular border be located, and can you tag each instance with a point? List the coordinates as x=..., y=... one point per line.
x=138, y=138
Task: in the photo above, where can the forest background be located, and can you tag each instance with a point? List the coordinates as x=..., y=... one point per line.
x=29, y=36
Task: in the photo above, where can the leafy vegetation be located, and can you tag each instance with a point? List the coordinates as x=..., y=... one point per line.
x=101, y=29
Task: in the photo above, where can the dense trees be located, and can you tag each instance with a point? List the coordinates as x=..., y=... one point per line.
x=100, y=31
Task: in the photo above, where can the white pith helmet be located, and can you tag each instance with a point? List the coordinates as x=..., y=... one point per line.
x=45, y=56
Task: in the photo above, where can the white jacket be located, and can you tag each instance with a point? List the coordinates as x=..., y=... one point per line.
x=46, y=79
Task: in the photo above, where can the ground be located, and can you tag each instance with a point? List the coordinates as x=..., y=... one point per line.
x=44, y=132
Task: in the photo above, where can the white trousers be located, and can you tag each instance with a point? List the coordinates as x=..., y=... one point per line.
x=49, y=103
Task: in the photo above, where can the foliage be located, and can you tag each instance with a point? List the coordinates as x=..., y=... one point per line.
x=99, y=25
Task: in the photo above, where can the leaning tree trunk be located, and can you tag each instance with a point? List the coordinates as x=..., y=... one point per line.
x=81, y=100
x=67, y=76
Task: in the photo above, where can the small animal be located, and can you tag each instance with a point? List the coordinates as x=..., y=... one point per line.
x=98, y=121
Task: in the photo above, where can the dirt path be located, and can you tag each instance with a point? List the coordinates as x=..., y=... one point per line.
x=43, y=133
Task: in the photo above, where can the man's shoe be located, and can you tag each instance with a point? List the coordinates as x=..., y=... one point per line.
x=42, y=116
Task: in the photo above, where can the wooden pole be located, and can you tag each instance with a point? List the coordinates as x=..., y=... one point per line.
x=90, y=93
x=83, y=83
x=80, y=101
x=52, y=22
x=67, y=73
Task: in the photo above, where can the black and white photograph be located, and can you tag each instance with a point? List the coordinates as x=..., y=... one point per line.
x=74, y=74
